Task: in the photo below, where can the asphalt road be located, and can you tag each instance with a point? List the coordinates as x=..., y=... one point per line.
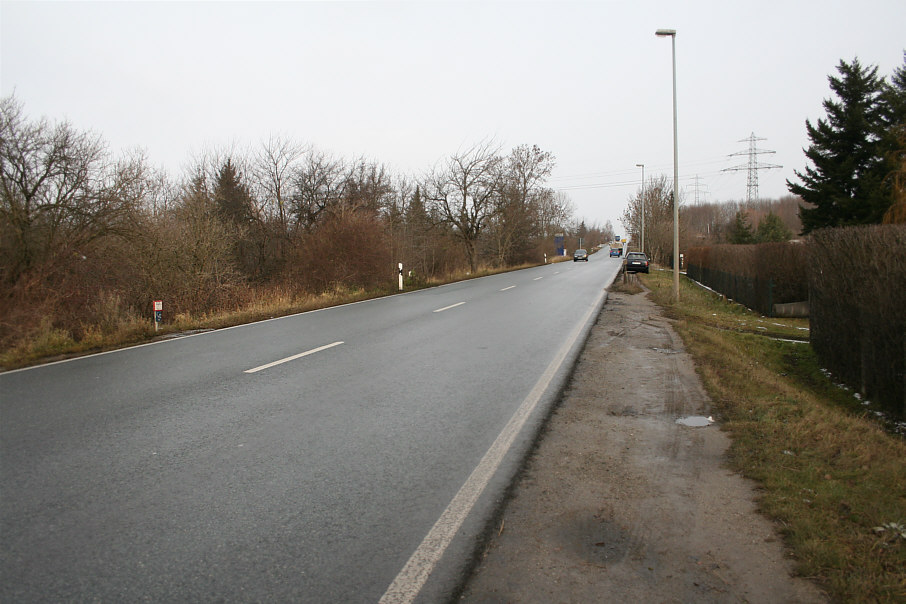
x=305, y=458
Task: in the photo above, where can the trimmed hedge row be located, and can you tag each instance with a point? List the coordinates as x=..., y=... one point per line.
x=855, y=281
x=857, y=285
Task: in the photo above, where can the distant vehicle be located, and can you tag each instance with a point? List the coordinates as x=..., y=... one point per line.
x=636, y=262
x=580, y=254
x=615, y=252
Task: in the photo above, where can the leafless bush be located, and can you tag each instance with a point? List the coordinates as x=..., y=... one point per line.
x=350, y=250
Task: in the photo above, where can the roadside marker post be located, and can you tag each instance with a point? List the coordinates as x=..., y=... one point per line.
x=158, y=313
x=401, y=276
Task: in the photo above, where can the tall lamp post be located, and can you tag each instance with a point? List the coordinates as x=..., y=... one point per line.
x=642, y=166
x=672, y=34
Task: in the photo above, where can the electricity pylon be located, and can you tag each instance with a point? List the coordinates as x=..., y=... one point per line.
x=752, y=166
x=699, y=189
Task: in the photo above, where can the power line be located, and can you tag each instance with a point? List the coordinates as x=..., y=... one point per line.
x=752, y=166
x=632, y=171
x=624, y=183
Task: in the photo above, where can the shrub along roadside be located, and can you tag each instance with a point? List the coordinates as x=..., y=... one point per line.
x=121, y=329
x=831, y=477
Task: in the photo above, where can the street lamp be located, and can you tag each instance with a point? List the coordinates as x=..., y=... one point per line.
x=642, y=166
x=672, y=33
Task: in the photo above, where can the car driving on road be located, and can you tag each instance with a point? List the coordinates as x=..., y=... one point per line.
x=636, y=262
x=580, y=254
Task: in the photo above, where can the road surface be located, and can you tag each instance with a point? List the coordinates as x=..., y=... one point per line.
x=344, y=455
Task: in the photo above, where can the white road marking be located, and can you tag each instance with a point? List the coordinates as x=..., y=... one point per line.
x=506, y=288
x=409, y=582
x=537, y=278
x=449, y=307
x=293, y=358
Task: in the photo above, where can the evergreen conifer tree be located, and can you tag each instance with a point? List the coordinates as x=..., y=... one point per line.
x=771, y=229
x=232, y=197
x=741, y=229
x=845, y=179
x=893, y=142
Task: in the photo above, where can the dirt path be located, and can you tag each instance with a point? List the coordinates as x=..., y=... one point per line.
x=620, y=503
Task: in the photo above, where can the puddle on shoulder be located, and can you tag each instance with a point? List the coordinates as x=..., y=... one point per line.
x=695, y=421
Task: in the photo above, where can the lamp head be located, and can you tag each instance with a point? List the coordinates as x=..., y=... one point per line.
x=665, y=32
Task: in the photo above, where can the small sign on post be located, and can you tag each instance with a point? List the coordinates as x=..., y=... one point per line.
x=158, y=313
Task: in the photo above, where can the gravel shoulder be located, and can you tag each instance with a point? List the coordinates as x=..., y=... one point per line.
x=619, y=502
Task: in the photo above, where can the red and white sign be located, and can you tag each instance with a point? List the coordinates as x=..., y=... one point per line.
x=158, y=305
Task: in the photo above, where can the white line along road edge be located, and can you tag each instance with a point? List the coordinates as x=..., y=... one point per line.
x=409, y=582
x=292, y=358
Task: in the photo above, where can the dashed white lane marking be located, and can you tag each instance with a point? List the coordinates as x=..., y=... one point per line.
x=506, y=288
x=449, y=307
x=292, y=358
x=409, y=582
x=537, y=278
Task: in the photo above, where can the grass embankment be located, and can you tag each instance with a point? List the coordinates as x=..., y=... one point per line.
x=120, y=327
x=830, y=476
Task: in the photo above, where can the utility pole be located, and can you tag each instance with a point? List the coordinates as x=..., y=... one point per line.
x=671, y=33
x=752, y=166
x=642, y=166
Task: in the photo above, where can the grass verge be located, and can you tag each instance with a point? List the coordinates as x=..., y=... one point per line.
x=830, y=476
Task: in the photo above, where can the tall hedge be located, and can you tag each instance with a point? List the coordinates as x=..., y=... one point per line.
x=857, y=312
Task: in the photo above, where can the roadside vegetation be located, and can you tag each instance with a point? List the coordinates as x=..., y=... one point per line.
x=49, y=343
x=90, y=241
x=830, y=471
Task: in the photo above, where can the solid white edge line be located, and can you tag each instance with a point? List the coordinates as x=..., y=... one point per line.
x=410, y=580
x=449, y=307
x=292, y=358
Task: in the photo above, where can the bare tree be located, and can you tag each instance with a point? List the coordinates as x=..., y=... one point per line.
x=367, y=188
x=318, y=186
x=58, y=190
x=516, y=214
x=275, y=165
x=554, y=212
x=462, y=191
x=658, y=208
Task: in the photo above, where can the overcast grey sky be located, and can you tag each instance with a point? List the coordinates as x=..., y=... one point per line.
x=409, y=83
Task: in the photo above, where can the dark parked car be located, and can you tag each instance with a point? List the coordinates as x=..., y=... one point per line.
x=636, y=262
x=580, y=254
